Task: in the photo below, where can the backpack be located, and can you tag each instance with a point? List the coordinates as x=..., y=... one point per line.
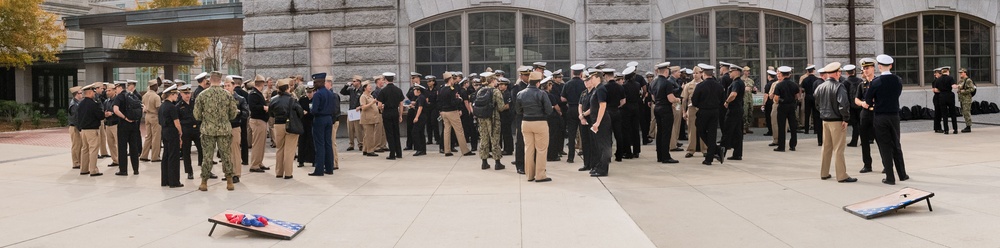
x=974, y=109
x=905, y=114
x=956, y=112
x=984, y=107
x=928, y=114
x=994, y=109
x=483, y=106
x=917, y=111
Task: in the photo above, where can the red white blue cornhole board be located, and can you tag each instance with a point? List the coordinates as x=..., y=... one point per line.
x=889, y=203
x=274, y=228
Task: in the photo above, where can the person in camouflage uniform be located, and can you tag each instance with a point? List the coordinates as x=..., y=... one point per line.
x=215, y=107
x=748, y=100
x=965, y=89
x=489, y=128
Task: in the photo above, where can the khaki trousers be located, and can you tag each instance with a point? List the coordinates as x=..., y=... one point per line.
x=234, y=151
x=103, y=146
x=89, y=154
x=333, y=142
x=369, y=144
x=287, y=144
x=652, y=124
x=453, y=120
x=834, y=141
x=774, y=123
x=536, y=146
x=380, y=136
x=354, y=132
x=693, y=132
x=111, y=135
x=676, y=130
x=77, y=146
x=151, y=145
x=259, y=129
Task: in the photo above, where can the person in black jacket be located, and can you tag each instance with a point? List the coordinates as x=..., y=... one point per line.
x=810, y=113
x=237, y=124
x=353, y=91
x=89, y=116
x=600, y=128
x=616, y=95
x=630, y=114
x=571, y=96
x=732, y=131
x=258, y=125
x=663, y=100
x=190, y=132
x=285, y=109
x=708, y=97
x=410, y=111
x=171, y=133
x=946, y=100
x=852, y=83
x=785, y=94
x=391, y=98
x=128, y=108
x=433, y=129
x=307, y=151
x=834, y=108
x=534, y=106
x=244, y=123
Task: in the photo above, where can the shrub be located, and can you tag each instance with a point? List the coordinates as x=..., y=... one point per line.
x=62, y=117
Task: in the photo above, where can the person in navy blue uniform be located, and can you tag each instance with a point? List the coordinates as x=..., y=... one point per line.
x=170, y=123
x=128, y=107
x=708, y=97
x=390, y=98
x=420, y=114
x=663, y=100
x=786, y=92
x=571, y=96
x=325, y=107
x=882, y=98
x=732, y=132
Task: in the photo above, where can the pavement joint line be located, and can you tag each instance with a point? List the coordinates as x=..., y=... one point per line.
x=28, y=158
x=93, y=221
x=198, y=223
x=453, y=165
x=632, y=219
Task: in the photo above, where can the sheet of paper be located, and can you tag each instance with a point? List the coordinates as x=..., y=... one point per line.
x=353, y=115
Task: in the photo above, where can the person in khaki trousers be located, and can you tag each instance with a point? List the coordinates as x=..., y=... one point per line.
x=74, y=133
x=834, y=108
x=89, y=116
x=451, y=115
x=111, y=125
x=690, y=113
x=150, y=104
x=258, y=124
x=369, y=118
x=237, y=133
x=284, y=109
x=534, y=106
x=333, y=138
x=675, y=129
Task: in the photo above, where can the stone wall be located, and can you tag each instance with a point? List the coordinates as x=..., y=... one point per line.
x=836, y=35
x=619, y=31
x=364, y=36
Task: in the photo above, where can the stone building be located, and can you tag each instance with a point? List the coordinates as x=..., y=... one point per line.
x=366, y=37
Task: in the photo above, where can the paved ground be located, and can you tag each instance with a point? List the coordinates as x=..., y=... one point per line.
x=767, y=200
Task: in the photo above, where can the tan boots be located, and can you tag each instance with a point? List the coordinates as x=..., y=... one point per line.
x=204, y=184
x=229, y=183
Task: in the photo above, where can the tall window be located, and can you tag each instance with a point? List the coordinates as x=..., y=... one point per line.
x=923, y=42
x=492, y=40
x=737, y=40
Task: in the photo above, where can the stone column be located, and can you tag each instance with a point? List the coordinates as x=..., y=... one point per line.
x=93, y=38
x=169, y=45
x=837, y=37
x=619, y=32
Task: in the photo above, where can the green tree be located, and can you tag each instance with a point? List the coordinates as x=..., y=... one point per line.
x=190, y=46
x=28, y=33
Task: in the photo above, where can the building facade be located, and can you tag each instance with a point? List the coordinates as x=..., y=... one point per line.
x=367, y=37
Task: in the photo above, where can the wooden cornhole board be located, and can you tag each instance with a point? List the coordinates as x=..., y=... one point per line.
x=275, y=228
x=889, y=203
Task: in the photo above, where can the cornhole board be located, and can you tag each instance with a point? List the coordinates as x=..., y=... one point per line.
x=889, y=203
x=275, y=228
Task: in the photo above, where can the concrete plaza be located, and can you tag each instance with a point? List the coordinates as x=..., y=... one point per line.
x=767, y=200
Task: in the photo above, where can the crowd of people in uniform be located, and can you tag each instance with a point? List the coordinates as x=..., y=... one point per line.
x=531, y=116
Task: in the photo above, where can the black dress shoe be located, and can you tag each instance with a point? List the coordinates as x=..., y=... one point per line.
x=507, y=153
x=848, y=180
x=407, y=148
x=176, y=186
x=531, y=180
x=96, y=174
x=772, y=144
x=190, y=176
x=469, y=154
x=598, y=174
x=553, y=160
x=316, y=174
x=688, y=155
x=328, y=172
x=390, y=158
x=156, y=160
x=288, y=177
x=264, y=167
x=547, y=179
x=562, y=153
x=955, y=131
x=707, y=162
x=76, y=167
x=888, y=182
x=767, y=134
x=826, y=177
x=938, y=131
x=904, y=178
x=670, y=161
x=135, y=172
x=618, y=159
x=791, y=149
x=865, y=170
x=275, y=176
x=350, y=149
x=121, y=174
x=371, y=154
x=419, y=154
x=852, y=144
x=676, y=149
x=583, y=168
x=448, y=154
x=84, y=173
x=144, y=160
x=257, y=170
x=779, y=149
x=570, y=160
x=735, y=158
x=520, y=171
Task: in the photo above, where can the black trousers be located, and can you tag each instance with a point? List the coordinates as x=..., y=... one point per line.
x=616, y=131
x=768, y=107
x=810, y=114
x=732, y=136
x=602, y=147
x=937, y=106
x=945, y=109
x=664, y=124
x=708, y=126
x=432, y=123
x=190, y=135
x=887, y=138
x=518, y=145
x=630, y=132
x=417, y=136
x=572, y=121
x=390, y=122
x=867, y=131
x=170, y=166
x=587, y=146
x=471, y=130
x=855, y=123
x=244, y=144
x=408, y=123
x=129, y=145
x=552, y=151
x=644, y=119
x=506, y=132
x=786, y=119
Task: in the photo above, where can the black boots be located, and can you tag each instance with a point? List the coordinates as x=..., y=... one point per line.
x=485, y=165
x=499, y=166
x=967, y=129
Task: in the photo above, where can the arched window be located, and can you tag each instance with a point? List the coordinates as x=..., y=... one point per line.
x=737, y=37
x=947, y=40
x=471, y=41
